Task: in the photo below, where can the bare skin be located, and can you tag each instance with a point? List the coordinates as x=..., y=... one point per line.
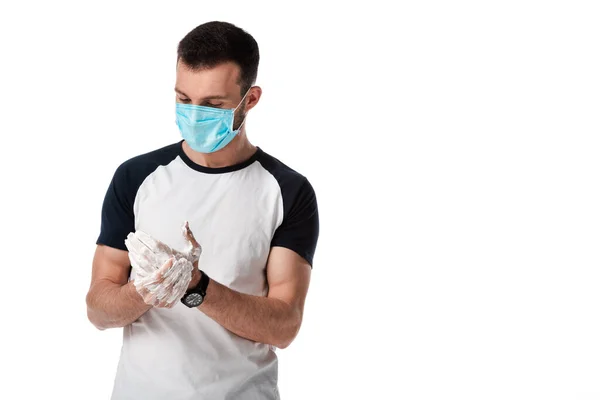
x=274, y=319
x=217, y=87
x=111, y=301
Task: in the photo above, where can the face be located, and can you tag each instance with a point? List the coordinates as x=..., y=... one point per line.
x=215, y=87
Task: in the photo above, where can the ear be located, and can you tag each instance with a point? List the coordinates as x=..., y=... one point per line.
x=253, y=97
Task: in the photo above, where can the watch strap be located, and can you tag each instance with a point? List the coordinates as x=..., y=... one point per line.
x=199, y=289
x=202, y=285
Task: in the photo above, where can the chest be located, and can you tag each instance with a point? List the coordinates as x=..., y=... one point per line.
x=233, y=217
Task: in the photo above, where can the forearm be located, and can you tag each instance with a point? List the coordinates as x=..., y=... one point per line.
x=260, y=319
x=110, y=305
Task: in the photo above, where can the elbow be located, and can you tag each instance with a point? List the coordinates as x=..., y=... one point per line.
x=92, y=314
x=287, y=336
x=97, y=324
x=283, y=344
x=285, y=340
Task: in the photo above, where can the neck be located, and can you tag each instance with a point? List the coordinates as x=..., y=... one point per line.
x=238, y=150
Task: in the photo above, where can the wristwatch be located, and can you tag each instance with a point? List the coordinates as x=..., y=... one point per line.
x=195, y=296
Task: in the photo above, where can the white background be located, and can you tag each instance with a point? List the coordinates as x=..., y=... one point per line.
x=453, y=147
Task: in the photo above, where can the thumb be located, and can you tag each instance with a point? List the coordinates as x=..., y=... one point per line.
x=160, y=274
x=195, y=249
x=189, y=236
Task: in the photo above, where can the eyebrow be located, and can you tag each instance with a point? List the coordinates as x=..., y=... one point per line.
x=211, y=97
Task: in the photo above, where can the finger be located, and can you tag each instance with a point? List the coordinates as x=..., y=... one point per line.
x=172, y=283
x=133, y=243
x=143, y=281
x=148, y=275
x=176, y=293
x=169, y=280
x=159, y=288
x=168, y=274
x=183, y=280
x=166, y=299
x=149, y=299
x=156, y=246
x=143, y=251
x=141, y=265
x=189, y=235
x=180, y=268
x=146, y=239
x=194, y=249
x=152, y=282
x=139, y=287
x=147, y=296
x=128, y=242
x=178, y=254
x=155, y=251
x=164, y=303
x=164, y=269
x=134, y=264
x=164, y=291
x=132, y=252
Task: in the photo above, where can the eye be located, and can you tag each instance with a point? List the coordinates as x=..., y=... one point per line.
x=183, y=100
x=215, y=105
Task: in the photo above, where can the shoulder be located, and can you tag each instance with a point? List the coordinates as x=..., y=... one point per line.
x=299, y=228
x=296, y=191
x=152, y=159
x=287, y=177
x=136, y=169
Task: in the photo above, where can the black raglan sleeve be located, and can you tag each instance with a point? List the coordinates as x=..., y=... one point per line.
x=118, y=218
x=299, y=230
x=117, y=210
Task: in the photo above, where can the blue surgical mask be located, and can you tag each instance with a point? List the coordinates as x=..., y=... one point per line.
x=206, y=129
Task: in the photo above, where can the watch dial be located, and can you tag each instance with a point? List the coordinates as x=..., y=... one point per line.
x=194, y=299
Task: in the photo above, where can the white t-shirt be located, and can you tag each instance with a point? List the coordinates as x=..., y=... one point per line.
x=237, y=214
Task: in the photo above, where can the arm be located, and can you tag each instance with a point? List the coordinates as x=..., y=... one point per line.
x=111, y=301
x=274, y=319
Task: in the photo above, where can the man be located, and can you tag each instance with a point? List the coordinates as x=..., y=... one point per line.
x=255, y=219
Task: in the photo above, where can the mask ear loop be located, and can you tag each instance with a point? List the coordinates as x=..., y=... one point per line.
x=240, y=103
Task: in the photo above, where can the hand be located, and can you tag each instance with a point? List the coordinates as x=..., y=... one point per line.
x=146, y=254
x=178, y=270
x=165, y=286
x=194, y=250
x=196, y=275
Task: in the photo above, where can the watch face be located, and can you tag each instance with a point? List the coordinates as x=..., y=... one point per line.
x=194, y=299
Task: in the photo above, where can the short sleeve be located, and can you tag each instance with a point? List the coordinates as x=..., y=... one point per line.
x=117, y=211
x=299, y=230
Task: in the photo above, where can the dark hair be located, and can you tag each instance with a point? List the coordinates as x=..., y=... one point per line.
x=213, y=43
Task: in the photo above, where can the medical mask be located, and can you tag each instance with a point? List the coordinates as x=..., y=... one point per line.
x=206, y=129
